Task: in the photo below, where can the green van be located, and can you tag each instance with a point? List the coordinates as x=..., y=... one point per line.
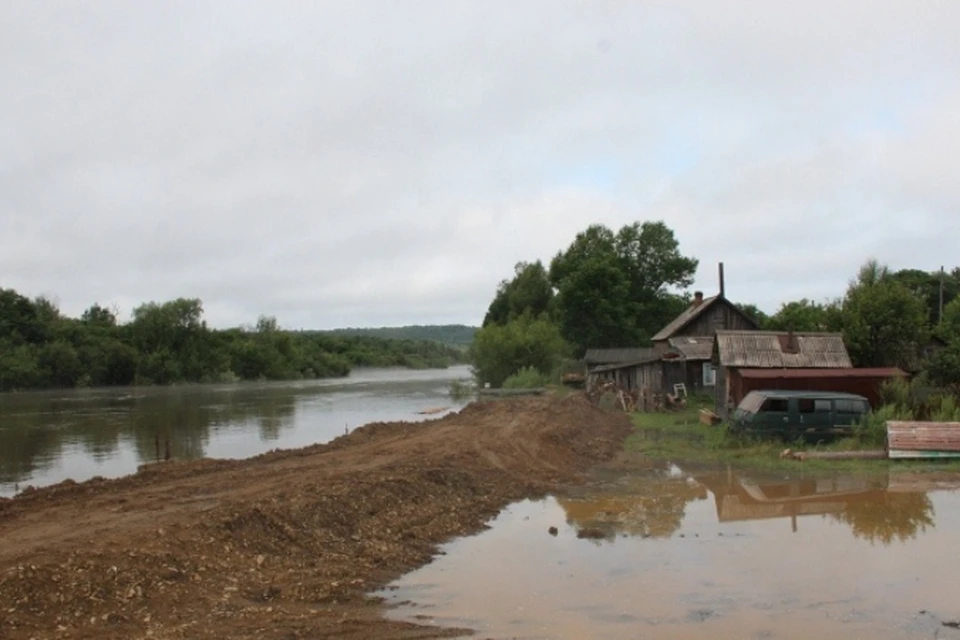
x=798, y=413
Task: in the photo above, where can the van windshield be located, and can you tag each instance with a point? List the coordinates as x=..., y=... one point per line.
x=751, y=402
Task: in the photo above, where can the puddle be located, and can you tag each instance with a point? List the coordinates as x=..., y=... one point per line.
x=691, y=555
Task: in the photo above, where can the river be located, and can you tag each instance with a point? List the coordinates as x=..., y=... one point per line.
x=48, y=437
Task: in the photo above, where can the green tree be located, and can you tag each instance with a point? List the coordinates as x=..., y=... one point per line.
x=804, y=315
x=753, y=312
x=883, y=322
x=595, y=307
x=944, y=366
x=169, y=342
x=19, y=319
x=530, y=289
x=99, y=316
x=949, y=329
x=926, y=286
x=614, y=288
x=59, y=363
x=499, y=351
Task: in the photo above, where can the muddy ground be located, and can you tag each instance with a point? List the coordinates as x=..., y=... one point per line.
x=287, y=544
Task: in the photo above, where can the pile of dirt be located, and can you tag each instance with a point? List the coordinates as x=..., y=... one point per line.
x=287, y=544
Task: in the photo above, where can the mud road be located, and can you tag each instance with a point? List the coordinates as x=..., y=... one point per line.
x=287, y=544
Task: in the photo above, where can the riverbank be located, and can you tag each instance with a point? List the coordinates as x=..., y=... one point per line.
x=287, y=544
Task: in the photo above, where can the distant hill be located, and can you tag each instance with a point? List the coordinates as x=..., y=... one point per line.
x=457, y=335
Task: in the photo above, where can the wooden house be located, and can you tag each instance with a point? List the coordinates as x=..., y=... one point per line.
x=702, y=319
x=734, y=351
x=686, y=344
x=681, y=354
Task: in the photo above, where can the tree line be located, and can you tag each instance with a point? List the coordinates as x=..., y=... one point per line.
x=170, y=342
x=619, y=288
x=452, y=334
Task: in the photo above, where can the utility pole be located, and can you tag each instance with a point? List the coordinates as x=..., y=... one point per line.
x=940, y=316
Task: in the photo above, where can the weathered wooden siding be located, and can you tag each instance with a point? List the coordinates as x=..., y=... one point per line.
x=721, y=392
x=720, y=316
x=648, y=376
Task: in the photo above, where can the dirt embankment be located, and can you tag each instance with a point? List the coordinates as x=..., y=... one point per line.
x=287, y=544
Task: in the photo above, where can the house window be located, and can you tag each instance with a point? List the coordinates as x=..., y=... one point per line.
x=709, y=375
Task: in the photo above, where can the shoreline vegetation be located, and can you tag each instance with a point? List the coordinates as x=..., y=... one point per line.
x=170, y=343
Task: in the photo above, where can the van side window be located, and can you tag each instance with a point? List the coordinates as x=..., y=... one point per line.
x=850, y=406
x=774, y=404
x=821, y=406
x=805, y=405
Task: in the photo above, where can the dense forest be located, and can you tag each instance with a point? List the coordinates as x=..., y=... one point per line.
x=170, y=342
x=452, y=334
x=618, y=288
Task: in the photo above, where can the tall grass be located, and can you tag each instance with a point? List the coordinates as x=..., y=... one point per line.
x=903, y=400
x=526, y=378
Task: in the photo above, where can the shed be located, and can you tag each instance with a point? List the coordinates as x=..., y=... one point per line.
x=863, y=382
x=735, y=350
x=644, y=373
x=600, y=357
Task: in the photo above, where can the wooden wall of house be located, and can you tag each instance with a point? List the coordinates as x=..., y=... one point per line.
x=675, y=372
x=721, y=316
x=721, y=392
x=695, y=377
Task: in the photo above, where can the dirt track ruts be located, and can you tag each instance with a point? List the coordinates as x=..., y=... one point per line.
x=287, y=544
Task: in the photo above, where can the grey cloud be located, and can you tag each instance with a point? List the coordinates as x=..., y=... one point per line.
x=357, y=163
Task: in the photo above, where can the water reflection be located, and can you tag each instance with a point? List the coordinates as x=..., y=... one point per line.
x=48, y=437
x=704, y=554
x=863, y=502
x=654, y=504
x=646, y=506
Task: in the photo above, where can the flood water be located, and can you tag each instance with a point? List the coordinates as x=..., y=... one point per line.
x=47, y=437
x=688, y=554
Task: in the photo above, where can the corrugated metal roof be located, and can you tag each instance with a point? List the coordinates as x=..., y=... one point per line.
x=693, y=348
x=918, y=437
x=764, y=350
x=611, y=356
x=684, y=319
x=770, y=374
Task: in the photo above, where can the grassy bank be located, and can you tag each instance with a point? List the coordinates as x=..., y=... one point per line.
x=679, y=436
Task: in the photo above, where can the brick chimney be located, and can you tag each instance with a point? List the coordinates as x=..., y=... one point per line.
x=697, y=299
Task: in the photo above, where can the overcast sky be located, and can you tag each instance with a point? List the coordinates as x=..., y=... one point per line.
x=383, y=163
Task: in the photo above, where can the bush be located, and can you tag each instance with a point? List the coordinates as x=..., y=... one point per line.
x=460, y=389
x=945, y=409
x=499, y=352
x=526, y=378
x=872, y=429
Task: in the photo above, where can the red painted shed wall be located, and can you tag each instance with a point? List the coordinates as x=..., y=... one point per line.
x=866, y=384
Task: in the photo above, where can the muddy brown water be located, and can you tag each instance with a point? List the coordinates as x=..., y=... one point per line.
x=706, y=553
x=47, y=437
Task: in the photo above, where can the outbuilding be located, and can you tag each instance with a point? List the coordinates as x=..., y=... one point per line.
x=735, y=351
x=863, y=382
